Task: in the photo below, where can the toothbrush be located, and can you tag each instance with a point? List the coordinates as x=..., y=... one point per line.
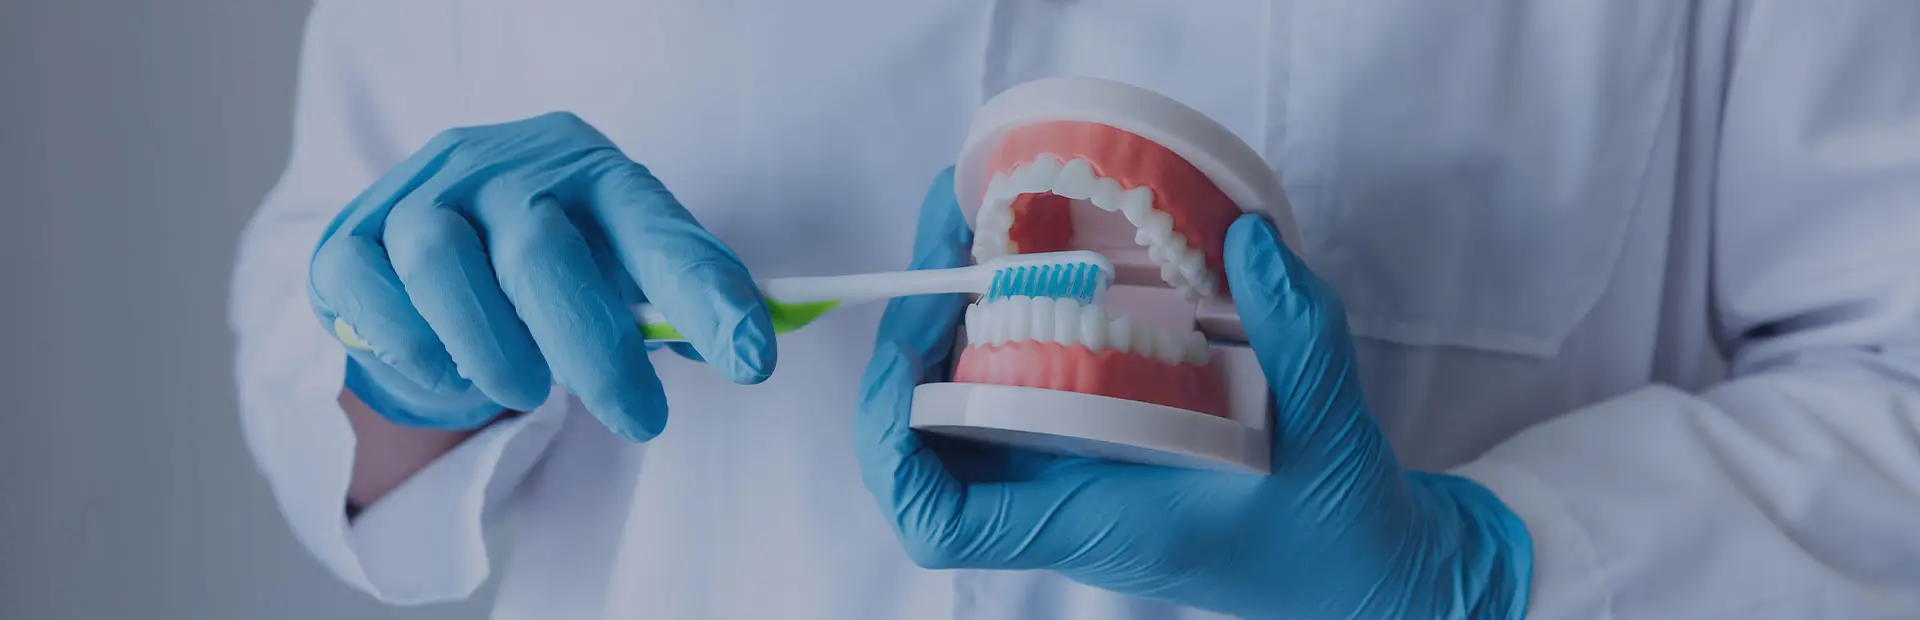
x=1079, y=275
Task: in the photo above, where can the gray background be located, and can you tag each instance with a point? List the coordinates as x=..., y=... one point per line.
x=135, y=140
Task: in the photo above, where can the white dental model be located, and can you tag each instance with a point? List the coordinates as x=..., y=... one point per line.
x=1157, y=373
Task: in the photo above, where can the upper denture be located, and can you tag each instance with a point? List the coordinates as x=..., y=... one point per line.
x=1171, y=203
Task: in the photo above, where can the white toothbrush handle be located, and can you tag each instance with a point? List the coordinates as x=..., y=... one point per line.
x=855, y=288
x=871, y=286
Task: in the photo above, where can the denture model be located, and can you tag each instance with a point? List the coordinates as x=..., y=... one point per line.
x=1156, y=373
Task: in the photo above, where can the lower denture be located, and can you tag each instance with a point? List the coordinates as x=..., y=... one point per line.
x=1054, y=366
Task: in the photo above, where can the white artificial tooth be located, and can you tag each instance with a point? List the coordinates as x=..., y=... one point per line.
x=1019, y=318
x=1186, y=293
x=1106, y=194
x=1136, y=203
x=1093, y=328
x=1075, y=180
x=990, y=332
x=993, y=237
x=1206, y=285
x=1170, y=348
x=1120, y=334
x=1193, y=265
x=980, y=325
x=1038, y=176
x=1155, y=254
x=1163, y=237
x=1016, y=317
x=1160, y=219
x=996, y=217
x=1176, y=245
x=1019, y=181
x=989, y=216
x=1001, y=233
x=988, y=246
x=989, y=232
x=1141, y=236
x=1198, y=351
x=1170, y=273
x=1040, y=319
x=999, y=191
x=1144, y=344
x=1066, y=322
x=997, y=317
x=1159, y=226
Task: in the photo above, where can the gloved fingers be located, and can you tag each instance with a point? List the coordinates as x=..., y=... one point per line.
x=353, y=282
x=913, y=341
x=1296, y=326
x=972, y=461
x=695, y=280
x=1072, y=516
x=914, y=333
x=907, y=480
x=684, y=350
x=925, y=324
x=615, y=275
x=941, y=521
x=587, y=334
x=1278, y=298
x=606, y=255
x=447, y=275
x=941, y=238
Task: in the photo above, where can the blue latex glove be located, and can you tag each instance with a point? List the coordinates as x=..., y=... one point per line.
x=499, y=260
x=1339, y=530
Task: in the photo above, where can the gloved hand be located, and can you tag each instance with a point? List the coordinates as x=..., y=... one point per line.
x=501, y=259
x=1338, y=530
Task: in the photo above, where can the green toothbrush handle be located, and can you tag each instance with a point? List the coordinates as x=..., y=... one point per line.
x=786, y=318
x=653, y=326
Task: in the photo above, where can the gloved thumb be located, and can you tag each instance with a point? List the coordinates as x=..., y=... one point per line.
x=1297, y=327
x=1283, y=306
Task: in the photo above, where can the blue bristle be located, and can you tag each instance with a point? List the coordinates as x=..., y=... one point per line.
x=1077, y=281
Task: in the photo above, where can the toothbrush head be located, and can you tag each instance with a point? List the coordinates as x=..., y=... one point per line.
x=1079, y=275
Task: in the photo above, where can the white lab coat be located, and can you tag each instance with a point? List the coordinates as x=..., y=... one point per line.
x=1550, y=221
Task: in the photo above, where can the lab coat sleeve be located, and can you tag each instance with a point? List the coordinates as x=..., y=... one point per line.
x=1791, y=489
x=425, y=541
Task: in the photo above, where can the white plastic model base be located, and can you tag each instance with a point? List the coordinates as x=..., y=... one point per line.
x=1090, y=425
